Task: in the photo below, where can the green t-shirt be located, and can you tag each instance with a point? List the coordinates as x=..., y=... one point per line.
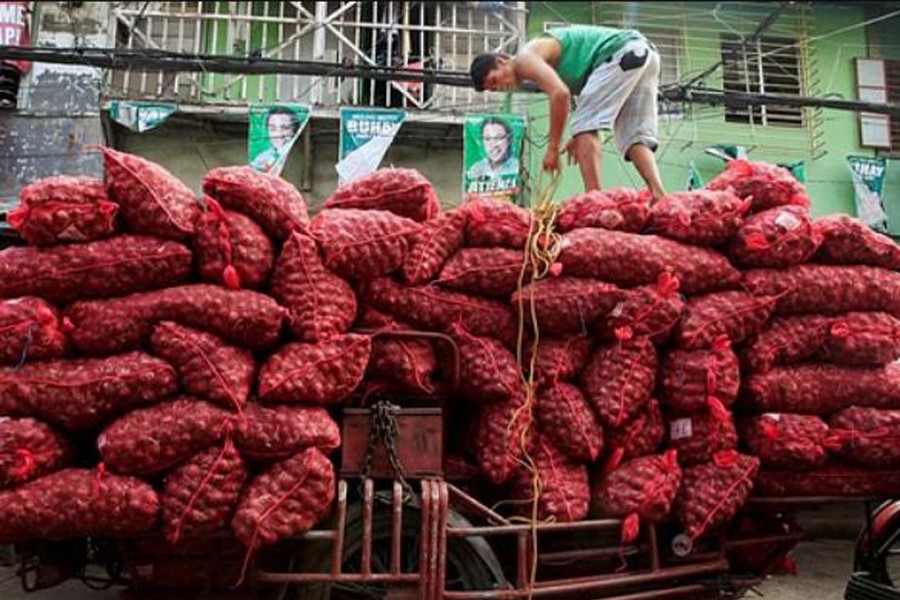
x=584, y=47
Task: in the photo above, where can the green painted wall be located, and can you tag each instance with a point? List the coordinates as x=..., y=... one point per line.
x=822, y=145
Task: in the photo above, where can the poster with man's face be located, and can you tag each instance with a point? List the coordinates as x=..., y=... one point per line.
x=274, y=128
x=492, y=150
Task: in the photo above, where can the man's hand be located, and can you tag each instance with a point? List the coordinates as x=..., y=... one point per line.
x=551, y=158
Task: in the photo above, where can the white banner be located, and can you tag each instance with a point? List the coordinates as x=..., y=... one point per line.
x=366, y=158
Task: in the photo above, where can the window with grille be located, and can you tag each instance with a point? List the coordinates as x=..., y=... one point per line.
x=892, y=81
x=668, y=44
x=769, y=65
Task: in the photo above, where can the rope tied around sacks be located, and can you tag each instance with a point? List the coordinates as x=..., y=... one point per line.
x=542, y=247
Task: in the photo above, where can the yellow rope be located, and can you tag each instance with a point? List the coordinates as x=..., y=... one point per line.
x=541, y=250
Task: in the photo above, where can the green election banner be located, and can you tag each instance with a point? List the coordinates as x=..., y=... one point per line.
x=492, y=154
x=274, y=129
x=868, y=175
x=140, y=116
x=361, y=125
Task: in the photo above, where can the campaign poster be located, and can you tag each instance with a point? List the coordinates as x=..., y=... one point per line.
x=492, y=151
x=868, y=175
x=366, y=134
x=274, y=129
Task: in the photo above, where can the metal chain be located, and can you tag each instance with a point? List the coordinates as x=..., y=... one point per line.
x=384, y=430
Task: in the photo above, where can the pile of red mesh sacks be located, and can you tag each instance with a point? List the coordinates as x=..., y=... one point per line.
x=207, y=345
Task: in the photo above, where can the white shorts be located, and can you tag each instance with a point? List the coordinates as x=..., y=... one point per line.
x=621, y=94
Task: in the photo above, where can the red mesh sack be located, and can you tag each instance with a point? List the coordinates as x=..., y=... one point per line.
x=849, y=241
x=640, y=436
x=432, y=308
x=278, y=432
x=269, y=200
x=30, y=449
x=786, y=340
x=231, y=249
x=408, y=363
x=321, y=305
x=200, y=495
x=558, y=359
x=76, y=503
x=642, y=489
x=830, y=481
x=85, y=393
x=766, y=184
x=323, y=373
x=285, y=501
x=869, y=437
x=652, y=311
x=623, y=209
x=151, y=200
x=696, y=380
x=822, y=389
x=699, y=217
x=29, y=329
x=734, y=315
x=207, y=367
x=777, y=238
x=484, y=271
x=862, y=339
x=431, y=246
x=619, y=378
x=151, y=440
x=630, y=260
x=488, y=372
x=404, y=192
x=827, y=289
x=101, y=269
x=566, y=304
x=565, y=492
x=362, y=244
x=245, y=318
x=568, y=422
x=786, y=441
x=64, y=209
x=713, y=492
x=698, y=437
x=503, y=432
x=497, y=223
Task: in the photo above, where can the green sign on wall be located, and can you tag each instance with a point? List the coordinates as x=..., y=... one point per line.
x=360, y=125
x=868, y=184
x=492, y=149
x=274, y=128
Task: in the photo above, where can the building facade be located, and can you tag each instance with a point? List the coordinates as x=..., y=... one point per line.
x=807, y=51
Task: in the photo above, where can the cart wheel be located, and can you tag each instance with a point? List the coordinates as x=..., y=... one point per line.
x=878, y=550
x=471, y=563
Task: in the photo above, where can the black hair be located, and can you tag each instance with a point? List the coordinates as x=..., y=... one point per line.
x=481, y=66
x=496, y=121
x=281, y=110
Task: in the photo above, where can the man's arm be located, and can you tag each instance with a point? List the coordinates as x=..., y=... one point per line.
x=533, y=67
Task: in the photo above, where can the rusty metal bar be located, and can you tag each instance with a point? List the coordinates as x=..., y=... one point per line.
x=424, y=542
x=265, y=577
x=443, y=512
x=337, y=550
x=565, y=556
x=766, y=540
x=567, y=588
x=434, y=556
x=397, y=522
x=522, y=560
x=514, y=528
x=654, y=547
x=368, y=500
x=470, y=503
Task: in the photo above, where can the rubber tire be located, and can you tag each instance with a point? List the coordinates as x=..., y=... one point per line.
x=473, y=561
